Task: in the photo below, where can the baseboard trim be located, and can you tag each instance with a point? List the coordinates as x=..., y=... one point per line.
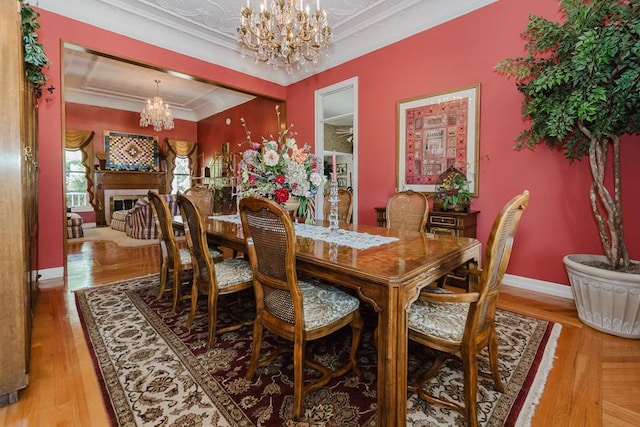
x=535, y=285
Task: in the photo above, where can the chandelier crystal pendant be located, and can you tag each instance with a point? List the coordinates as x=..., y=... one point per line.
x=157, y=113
x=284, y=33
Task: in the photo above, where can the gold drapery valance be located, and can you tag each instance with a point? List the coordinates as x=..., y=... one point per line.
x=75, y=138
x=181, y=148
x=176, y=149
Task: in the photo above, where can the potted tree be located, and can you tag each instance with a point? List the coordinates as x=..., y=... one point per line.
x=581, y=84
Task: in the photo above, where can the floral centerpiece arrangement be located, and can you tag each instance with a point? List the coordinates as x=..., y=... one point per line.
x=278, y=169
x=453, y=192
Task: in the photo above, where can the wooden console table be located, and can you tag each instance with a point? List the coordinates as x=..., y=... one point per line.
x=462, y=224
x=123, y=180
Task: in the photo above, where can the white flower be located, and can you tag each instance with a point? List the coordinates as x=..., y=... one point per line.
x=315, y=178
x=291, y=143
x=271, y=158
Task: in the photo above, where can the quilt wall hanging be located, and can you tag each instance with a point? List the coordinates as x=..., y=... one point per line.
x=128, y=151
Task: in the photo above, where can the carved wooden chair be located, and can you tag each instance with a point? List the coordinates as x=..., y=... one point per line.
x=204, y=200
x=345, y=206
x=295, y=309
x=212, y=279
x=173, y=258
x=460, y=325
x=407, y=210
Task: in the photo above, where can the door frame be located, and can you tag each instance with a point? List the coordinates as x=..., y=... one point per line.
x=320, y=94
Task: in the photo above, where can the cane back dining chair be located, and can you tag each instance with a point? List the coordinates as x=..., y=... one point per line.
x=173, y=259
x=212, y=279
x=460, y=325
x=295, y=309
x=345, y=206
x=202, y=198
x=407, y=210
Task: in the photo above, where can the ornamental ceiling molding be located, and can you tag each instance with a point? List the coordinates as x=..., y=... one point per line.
x=206, y=29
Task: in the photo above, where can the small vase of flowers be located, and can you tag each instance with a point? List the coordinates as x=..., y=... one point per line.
x=278, y=169
x=453, y=192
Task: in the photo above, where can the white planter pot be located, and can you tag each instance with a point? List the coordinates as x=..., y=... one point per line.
x=608, y=301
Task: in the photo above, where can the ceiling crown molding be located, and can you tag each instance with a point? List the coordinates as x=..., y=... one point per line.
x=207, y=30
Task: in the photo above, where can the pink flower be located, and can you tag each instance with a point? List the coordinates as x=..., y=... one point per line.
x=280, y=179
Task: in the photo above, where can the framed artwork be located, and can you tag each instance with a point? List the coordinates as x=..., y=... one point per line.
x=127, y=151
x=341, y=168
x=436, y=132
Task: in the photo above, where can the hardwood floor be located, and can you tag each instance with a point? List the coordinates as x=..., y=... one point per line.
x=595, y=380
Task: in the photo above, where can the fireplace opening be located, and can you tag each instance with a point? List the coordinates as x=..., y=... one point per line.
x=122, y=203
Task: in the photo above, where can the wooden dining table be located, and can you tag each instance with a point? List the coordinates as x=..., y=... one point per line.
x=387, y=276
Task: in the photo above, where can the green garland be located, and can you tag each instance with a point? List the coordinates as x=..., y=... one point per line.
x=35, y=59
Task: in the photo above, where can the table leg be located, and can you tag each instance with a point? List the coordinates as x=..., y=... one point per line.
x=392, y=363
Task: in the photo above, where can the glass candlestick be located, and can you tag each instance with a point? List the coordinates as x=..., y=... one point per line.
x=333, y=252
x=333, y=205
x=237, y=191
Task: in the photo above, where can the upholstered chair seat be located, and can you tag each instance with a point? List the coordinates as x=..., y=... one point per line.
x=232, y=271
x=442, y=320
x=185, y=256
x=322, y=304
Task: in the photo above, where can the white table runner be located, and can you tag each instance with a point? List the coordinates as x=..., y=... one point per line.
x=352, y=239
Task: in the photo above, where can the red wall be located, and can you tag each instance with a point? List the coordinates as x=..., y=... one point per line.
x=57, y=29
x=261, y=120
x=459, y=53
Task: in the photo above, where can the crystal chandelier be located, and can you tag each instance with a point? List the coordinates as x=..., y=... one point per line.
x=157, y=113
x=284, y=33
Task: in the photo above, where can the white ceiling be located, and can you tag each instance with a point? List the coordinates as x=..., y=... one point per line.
x=206, y=29
x=92, y=79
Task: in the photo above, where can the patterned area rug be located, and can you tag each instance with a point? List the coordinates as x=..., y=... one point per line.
x=154, y=371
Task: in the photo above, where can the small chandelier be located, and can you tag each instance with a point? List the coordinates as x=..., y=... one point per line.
x=284, y=33
x=157, y=113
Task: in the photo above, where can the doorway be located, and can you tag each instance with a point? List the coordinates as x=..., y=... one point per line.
x=336, y=118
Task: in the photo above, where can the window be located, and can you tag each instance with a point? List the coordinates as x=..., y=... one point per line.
x=181, y=175
x=76, y=178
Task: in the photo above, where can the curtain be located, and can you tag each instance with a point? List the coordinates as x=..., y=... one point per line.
x=177, y=148
x=83, y=140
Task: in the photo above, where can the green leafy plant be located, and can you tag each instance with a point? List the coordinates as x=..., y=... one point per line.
x=581, y=84
x=453, y=191
x=35, y=58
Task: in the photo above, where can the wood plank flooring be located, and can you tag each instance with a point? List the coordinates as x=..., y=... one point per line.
x=595, y=380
